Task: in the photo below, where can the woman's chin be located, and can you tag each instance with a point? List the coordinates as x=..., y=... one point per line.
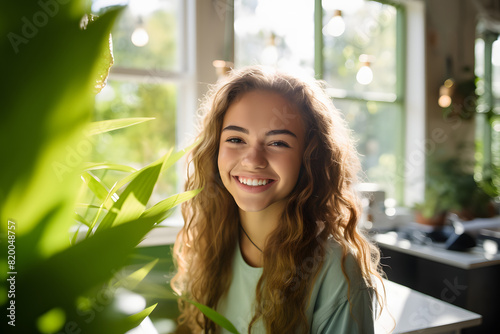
x=255, y=206
x=251, y=207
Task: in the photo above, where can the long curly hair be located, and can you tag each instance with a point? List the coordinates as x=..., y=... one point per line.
x=322, y=205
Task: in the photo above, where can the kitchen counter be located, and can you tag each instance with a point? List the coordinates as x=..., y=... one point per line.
x=475, y=258
x=469, y=280
x=415, y=312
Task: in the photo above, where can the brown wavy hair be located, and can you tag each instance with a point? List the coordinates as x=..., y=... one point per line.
x=322, y=205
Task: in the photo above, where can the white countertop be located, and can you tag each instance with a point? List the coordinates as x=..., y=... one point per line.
x=415, y=312
x=474, y=258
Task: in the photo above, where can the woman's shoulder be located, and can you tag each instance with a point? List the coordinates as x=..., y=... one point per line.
x=333, y=289
x=340, y=266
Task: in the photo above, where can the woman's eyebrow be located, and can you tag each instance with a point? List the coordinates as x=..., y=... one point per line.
x=268, y=133
x=280, y=132
x=236, y=128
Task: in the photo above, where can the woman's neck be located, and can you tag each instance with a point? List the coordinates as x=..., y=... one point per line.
x=259, y=226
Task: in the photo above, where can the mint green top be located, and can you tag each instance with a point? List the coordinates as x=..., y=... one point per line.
x=328, y=310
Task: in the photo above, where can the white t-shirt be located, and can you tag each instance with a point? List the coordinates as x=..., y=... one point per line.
x=328, y=310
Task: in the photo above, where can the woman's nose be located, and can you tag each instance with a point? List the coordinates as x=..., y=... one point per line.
x=254, y=157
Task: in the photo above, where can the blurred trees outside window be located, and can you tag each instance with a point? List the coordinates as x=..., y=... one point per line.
x=146, y=80
x=487, y=71
x=361, y=64
x=275, y=33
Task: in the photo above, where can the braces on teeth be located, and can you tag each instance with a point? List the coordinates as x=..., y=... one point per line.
x=253, y=182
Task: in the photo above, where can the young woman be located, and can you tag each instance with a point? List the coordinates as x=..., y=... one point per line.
x=271, y=241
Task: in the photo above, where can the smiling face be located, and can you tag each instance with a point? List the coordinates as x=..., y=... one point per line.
x=260, y=149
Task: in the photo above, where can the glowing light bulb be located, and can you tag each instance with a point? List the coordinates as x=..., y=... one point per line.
x=270, y=54
x=364, y=75
x=444, y=101
x=350, y=7
x=445, y=93
x=140, y=37
x=336, y=26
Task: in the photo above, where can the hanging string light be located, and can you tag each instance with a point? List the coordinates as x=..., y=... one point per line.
x=140, y=36
x=270, y=54
x=445, y=93
x=365, y=73
x=222, y=67
x=336, y=26
x=448, y=87
x=225, y=65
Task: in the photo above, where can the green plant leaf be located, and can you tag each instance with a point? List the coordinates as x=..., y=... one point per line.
x=215, y=317
x=177, y=155
x=78, y=268
x=131, y=322
x=44, y=162
x=99, y=189
x=157, y=291
x=118, y=185
x=108, y=321
x=95, y=128
x=137, y=193
x=52, y=321
x=74, y=239
x=162, y=209
x=135, y=197
x=168, y=160
x=139, y=317
x=81, y=219
x=107, y=165
x=132, y=280
x=87, y=206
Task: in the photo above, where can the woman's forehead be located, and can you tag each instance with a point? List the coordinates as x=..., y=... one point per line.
x=263, y=109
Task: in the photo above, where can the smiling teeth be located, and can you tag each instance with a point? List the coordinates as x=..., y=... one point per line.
x=253, y=182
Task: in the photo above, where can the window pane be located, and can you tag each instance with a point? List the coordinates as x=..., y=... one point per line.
x=376, y=128
x=144, y=143
x=369, y=39
x=146, y=35
x=370, y=29
x=276, y=33
x=495, y=59
x=488, y=127
x=495, y=134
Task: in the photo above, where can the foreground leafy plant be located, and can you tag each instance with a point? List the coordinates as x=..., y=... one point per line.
x=51, y=81
x=48, y=92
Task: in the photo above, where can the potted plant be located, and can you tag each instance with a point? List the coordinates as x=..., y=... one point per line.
x=451, y=187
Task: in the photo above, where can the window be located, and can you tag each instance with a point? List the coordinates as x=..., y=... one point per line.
x=362, y=58
x=358, y=52
x=487, y=54
x=148, y=79
x=275, y=33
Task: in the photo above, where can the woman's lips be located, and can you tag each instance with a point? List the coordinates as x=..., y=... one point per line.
x=263, y=186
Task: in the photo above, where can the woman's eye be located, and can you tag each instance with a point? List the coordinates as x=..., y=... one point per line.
x=234, y=140
x=279, y=144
